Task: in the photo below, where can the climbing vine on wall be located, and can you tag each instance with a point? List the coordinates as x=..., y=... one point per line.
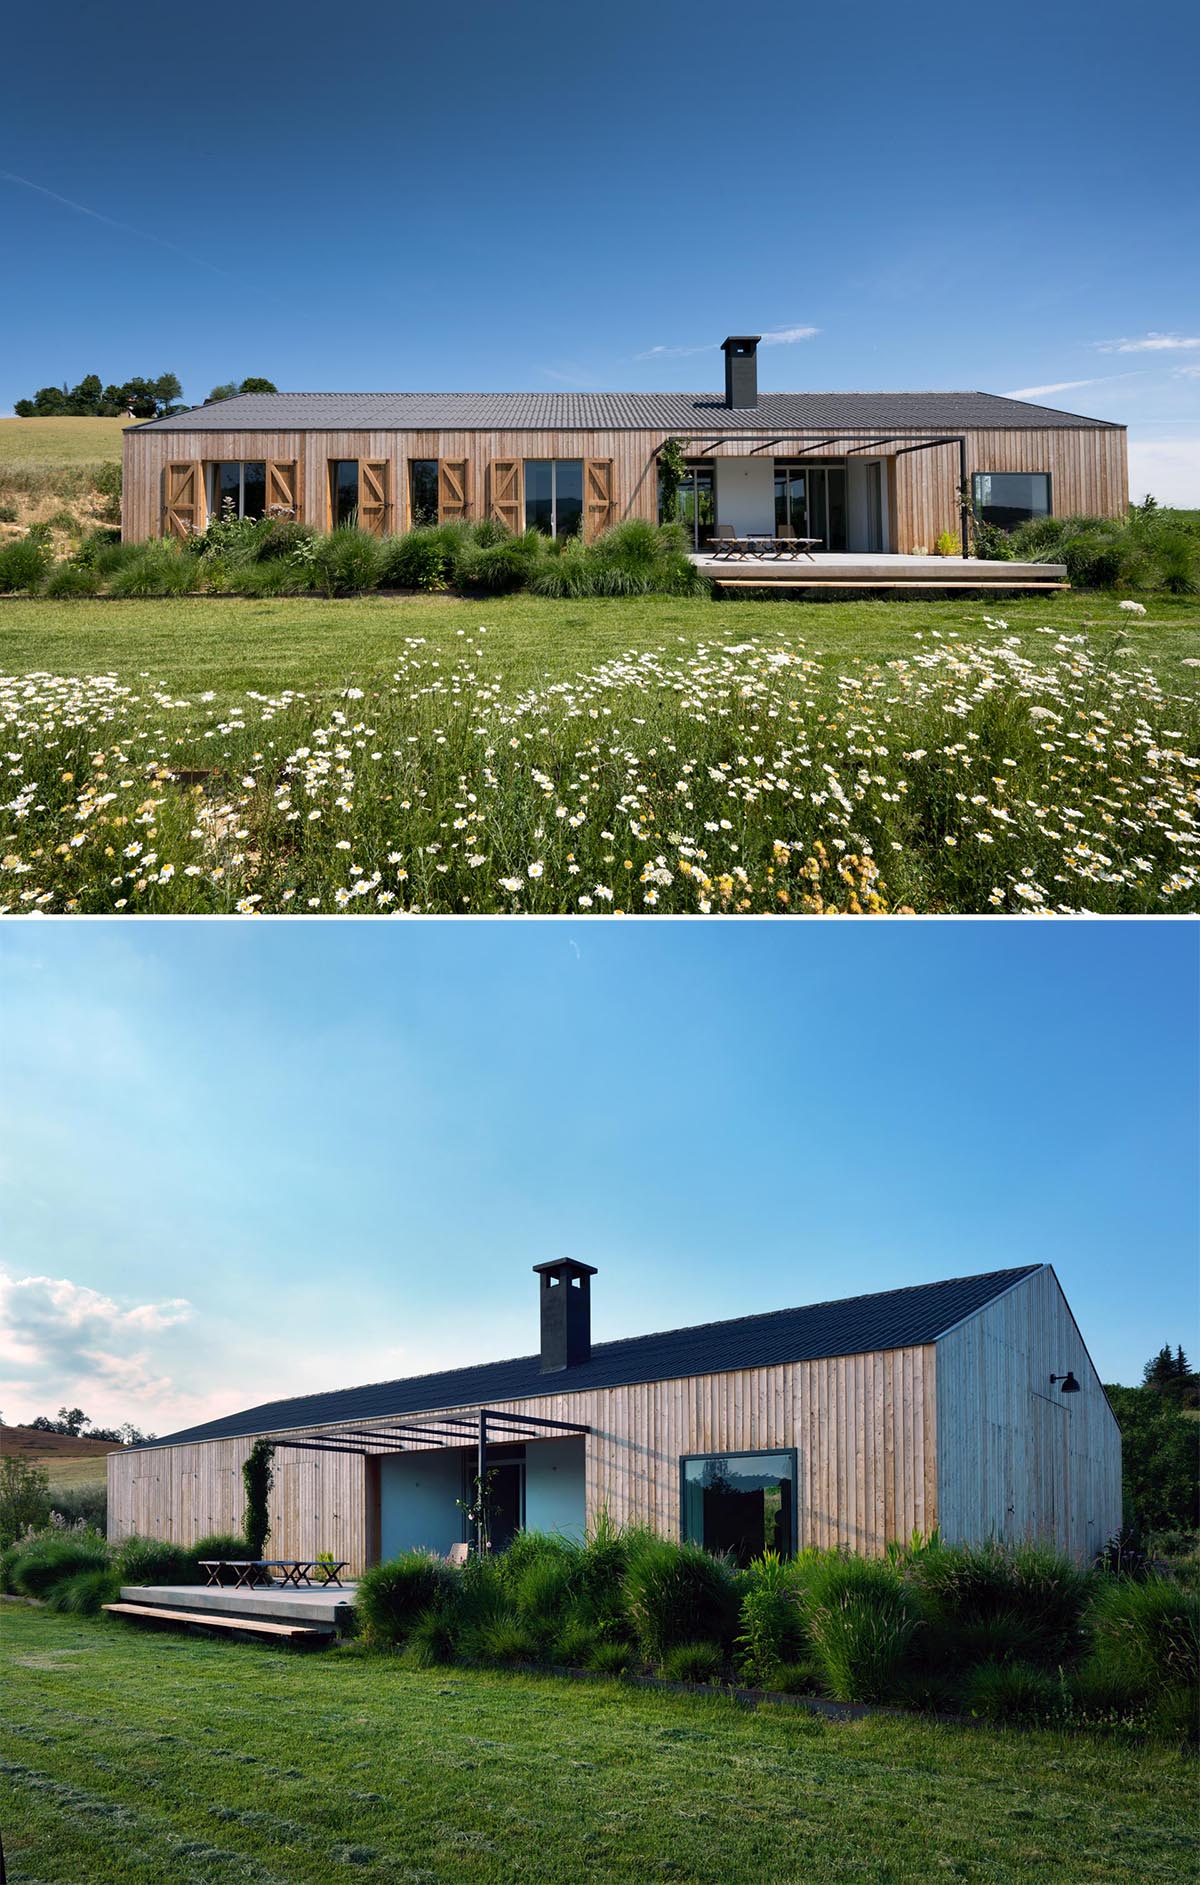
x=258, y=1477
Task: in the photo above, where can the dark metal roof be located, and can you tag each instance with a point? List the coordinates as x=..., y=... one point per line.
x=894, y=1318
x=636, y=412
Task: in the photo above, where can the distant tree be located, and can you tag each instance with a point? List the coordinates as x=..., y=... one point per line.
x=24, y=1498
x=166, y=391
x=1172, y=1376
x=229, y=389
x=1160, y=1447
x=72, y=1420
x=25, y=409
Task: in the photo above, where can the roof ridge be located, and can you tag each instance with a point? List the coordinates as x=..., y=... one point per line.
x=295, y=1403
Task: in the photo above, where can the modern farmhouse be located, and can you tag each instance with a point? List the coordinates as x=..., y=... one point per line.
x=866, y=473
x=970, y=1404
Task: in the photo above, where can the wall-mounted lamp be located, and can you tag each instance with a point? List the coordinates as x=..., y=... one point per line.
x=1069, y=1384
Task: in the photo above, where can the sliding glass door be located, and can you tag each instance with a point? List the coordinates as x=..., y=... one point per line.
x=811, y=498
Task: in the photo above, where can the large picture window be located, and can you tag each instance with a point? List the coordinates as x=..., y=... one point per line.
x=554, y=496
x=742, y=1503
x=237, y=489
x=1009, y=498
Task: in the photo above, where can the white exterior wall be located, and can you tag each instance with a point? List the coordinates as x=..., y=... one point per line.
x=746, y=494
x=555, y=1487
x=418, y=1509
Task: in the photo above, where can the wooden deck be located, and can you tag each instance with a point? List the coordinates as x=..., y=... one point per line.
x=851, y=571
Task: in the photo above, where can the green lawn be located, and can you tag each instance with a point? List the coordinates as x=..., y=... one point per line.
x=163, y=1760
x=231, y=645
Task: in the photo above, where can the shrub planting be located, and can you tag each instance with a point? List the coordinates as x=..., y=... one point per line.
x=82, y=1505
x=50, y=1557
x=24, y=562
x=861, y=1623
x=695, y=1662
x=1145, y=1646
x=155, y=1561
x=1014, y=1691
x=346, y=562
x=991, y=1603
x=160, y=568
x=84, y=1593
x=680, y=1594
x=390, y=1597
x=771, y=1631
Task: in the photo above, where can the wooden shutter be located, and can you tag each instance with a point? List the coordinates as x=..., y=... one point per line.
x=283, y=487
x=597, y=497
x=183, y=499
x=375, y=495
x=454, y=490
x=504, y=496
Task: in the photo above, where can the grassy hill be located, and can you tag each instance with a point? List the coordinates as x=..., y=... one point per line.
x=61, y=472
x=69, y=1460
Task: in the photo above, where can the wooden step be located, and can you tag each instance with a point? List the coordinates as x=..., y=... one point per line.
x=210, y=1620
x=831, y=582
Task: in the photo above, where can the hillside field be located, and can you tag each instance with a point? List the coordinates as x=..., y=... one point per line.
x=69, y=1461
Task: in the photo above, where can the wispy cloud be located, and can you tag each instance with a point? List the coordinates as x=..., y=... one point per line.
x=1067, y=386
x=110, y=222
x=1187, y=373
x=1152, y=343
x=778, y=337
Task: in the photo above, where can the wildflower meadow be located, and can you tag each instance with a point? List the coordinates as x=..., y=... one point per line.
x=738, y=776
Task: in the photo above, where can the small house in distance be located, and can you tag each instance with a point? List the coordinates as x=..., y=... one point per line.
x=970, y=1404
x=852, y=473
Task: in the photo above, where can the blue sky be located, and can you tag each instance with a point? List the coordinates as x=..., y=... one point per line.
x=539, y=196
x=246, y=1159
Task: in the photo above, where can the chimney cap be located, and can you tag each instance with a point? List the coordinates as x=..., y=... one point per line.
x=566, y=1266
x=740, y=343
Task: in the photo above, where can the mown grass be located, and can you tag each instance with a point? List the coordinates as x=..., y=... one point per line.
x=162, y=1760
x=230, y=645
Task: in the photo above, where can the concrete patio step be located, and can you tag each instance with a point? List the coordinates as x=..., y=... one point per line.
x=322, y=1607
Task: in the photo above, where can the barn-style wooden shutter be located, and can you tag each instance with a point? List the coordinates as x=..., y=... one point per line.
x=183, y=499
x=375, y=495
x=504, y=494
x=454, y=490
x=283, y=487
x=597, y=496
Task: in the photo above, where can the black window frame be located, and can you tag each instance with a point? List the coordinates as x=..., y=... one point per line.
x=212, y=483
x=335, y=522
x=412, y=507
x=1032, y=516
x=742, y=1453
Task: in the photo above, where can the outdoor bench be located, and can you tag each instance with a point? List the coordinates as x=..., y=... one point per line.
x=294, y=1571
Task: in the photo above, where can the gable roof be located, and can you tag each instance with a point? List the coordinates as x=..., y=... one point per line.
x=893, y=1318
x=639, y=412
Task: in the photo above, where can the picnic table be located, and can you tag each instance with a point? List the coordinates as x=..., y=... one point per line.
x=294, y=1571
x=728, y=547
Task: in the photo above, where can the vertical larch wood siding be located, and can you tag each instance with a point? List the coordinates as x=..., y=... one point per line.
x=1087, y=466
x=1016, y=1457
x=864, y=1428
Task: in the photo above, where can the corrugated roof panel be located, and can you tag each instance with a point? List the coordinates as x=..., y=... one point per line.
x=893, y=1318
x=673, y=412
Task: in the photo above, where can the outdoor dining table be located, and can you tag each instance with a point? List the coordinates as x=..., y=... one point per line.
x=294, y=1571
x=729, y=547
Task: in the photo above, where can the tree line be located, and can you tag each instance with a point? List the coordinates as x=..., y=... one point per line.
x=145, y=399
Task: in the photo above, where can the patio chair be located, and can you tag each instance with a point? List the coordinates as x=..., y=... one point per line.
x=787, y=542
x=725, y=541
x=458, y=1554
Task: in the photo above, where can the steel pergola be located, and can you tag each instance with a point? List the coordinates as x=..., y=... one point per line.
x=904, y=441
x=463, y=1427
